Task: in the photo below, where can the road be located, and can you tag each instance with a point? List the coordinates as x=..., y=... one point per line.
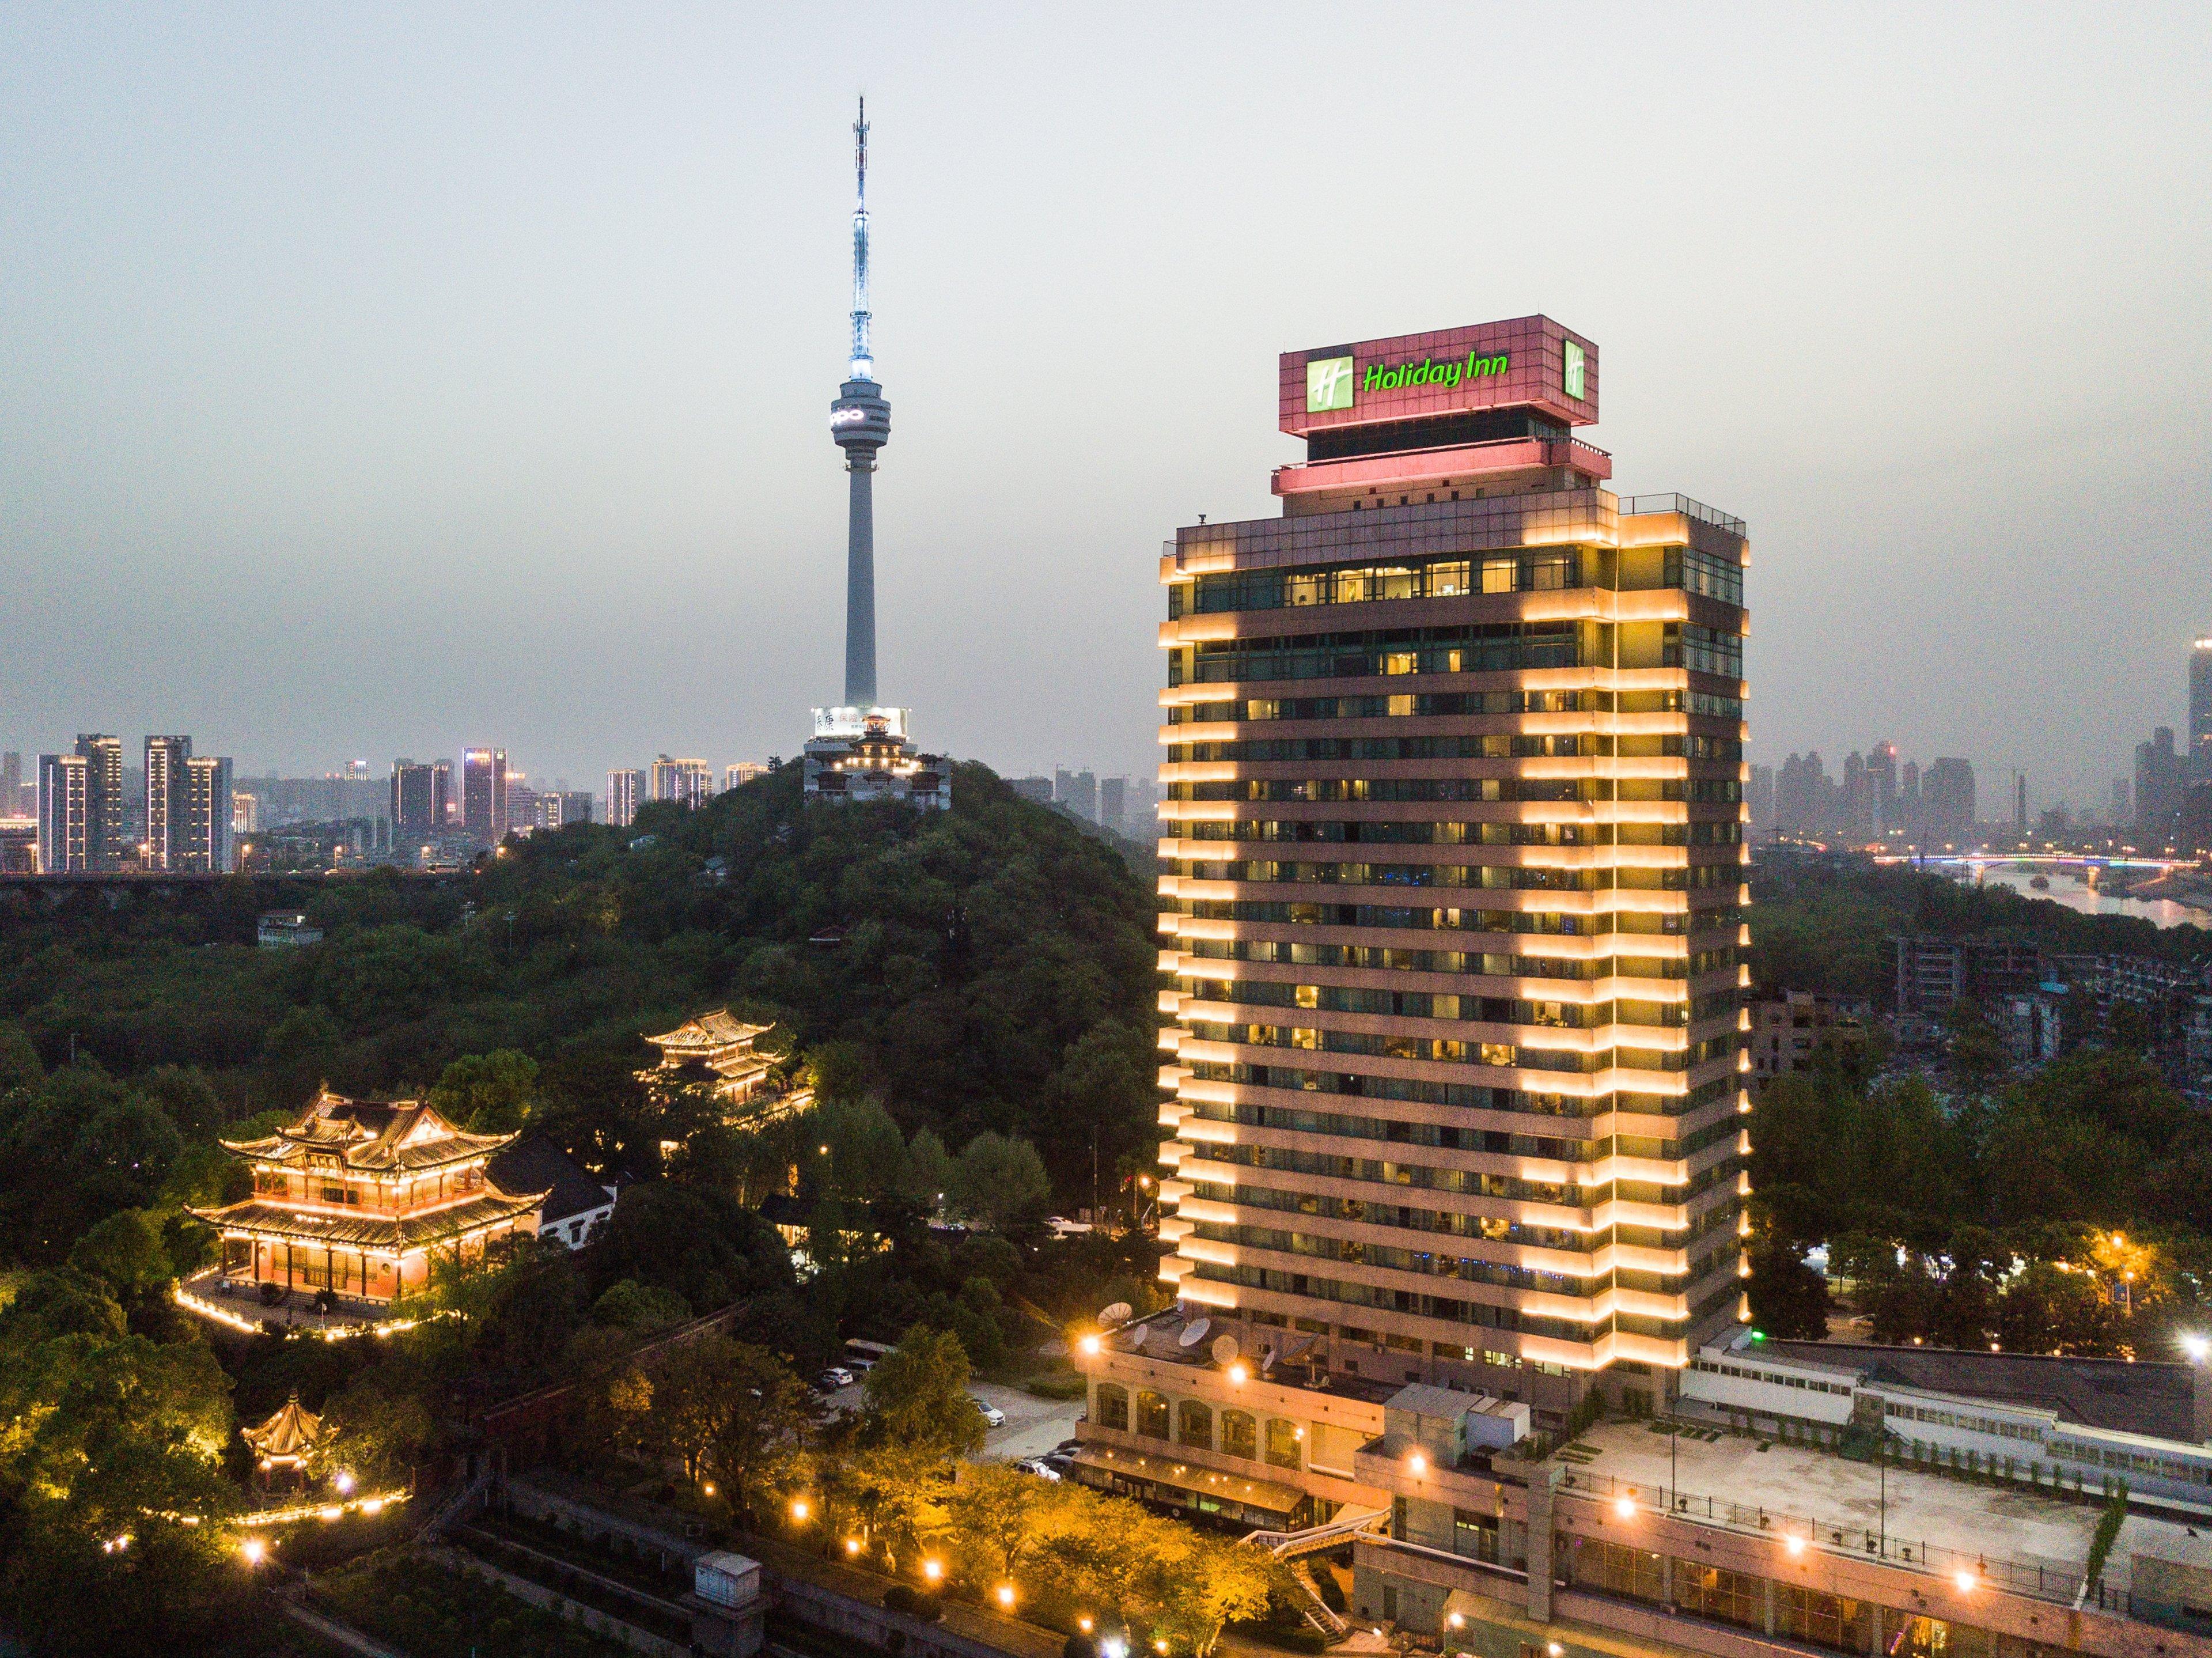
x=1034, y=1425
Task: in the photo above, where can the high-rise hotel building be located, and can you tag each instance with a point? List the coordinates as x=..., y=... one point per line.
x=1455, y=782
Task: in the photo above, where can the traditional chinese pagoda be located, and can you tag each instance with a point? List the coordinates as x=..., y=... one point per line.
x=355, y=1195
x=717, y=1049
x=287, y=1444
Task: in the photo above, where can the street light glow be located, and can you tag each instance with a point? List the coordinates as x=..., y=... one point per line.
x=932, y=1569
x=1965, y=1580
x=1418, y=1464
x=1089, y=1347
x=1007, y=1596
x=252, y=1549
x=798, y=1509
x=1625, y=1506
x=2196, y=1347
x=1795, y=1545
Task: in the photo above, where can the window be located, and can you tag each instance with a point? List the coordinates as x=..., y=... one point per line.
x=1240, y=1435
x=1731, y=1597
x=1283, y=1439
x=1614, y=1568
x=1112, y=1407
x=1820, y=1620
x=1151, y=1415
x=1474, y=1535
x=1195, y=1425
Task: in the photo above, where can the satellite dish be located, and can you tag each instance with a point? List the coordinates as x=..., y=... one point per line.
x=1136, y=1339
x=1195, y=1334
x=1223, y=1349
x=1119, y=1312
x=1266, y=1359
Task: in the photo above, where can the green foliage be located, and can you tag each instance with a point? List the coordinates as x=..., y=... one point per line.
x=917, y=1399
x=698, y=1242
x=125, y=1252
x=2107, y=1533
x=378, y=1431
x=487, y=1093
x=626, y=1304
x=77, y=1146
x=1000, y=1181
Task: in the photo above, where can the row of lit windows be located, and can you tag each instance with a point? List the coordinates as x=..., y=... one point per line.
x=1489, y=1010
x=1705, y=704
x=1490, y=964
x=1468, y=1182
x=1550, y=570
x=1723, y=791
x=1404, y=919
x=1399, y=1132
x=1395, y=832
x=1495, y=1229
x=1519, y=1102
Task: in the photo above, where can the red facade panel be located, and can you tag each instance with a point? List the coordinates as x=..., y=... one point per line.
x=1452, y=371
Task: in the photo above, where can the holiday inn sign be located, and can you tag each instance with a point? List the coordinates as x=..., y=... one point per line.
x=1330, y=381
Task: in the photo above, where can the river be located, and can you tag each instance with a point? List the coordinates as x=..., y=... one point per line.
x=2091, y=900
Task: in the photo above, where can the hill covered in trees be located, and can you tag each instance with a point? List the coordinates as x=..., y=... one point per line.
x=990, y=968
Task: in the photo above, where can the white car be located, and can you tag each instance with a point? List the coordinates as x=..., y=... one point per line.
x=839, y=1374
x=1060, y=1227
x=1038, y=1468
x=993, y=1416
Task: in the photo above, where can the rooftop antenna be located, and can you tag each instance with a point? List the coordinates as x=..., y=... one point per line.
x=864, y=363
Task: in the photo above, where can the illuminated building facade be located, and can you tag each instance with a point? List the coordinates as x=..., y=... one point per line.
x=202, y=840
x=622, y=788
x=165, y=799
x=718, y=1050
x=686, y=783
x=484, y=793
x=355, y=1197
x=422, y=800
x=864, y=755
x=1455, y=812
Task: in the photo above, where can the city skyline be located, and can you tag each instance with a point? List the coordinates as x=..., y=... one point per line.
x=509, y=418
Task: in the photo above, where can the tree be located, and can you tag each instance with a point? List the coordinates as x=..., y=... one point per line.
x=697, y=1242
x=1789, y=1300
x=2046, y=1309
x=917, y=1398
x=126, y=1253
x=629, y=1305
x=866, y=1156
x=19, y=1060
x=377, y=1432
x=494, y=1093
x=1004, y=1514
x=1001, y=1183
x=928, y=1173
x=761, y=1435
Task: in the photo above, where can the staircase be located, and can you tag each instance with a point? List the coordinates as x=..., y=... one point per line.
x=1311, y=1607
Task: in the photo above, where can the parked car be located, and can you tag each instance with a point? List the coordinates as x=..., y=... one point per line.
x=1058, y=1466
x=1060, y=1227
x=840, y=1375
x=827, y=1382
x=1039, y=1467
x=993, y=1416
x=1067, y=1447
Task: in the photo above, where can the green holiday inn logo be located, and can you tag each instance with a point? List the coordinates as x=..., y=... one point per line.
x=1571, y=377
x=1329, y=385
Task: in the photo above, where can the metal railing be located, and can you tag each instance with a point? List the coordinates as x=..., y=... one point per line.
x=1852, y=1538
x=1683, y=505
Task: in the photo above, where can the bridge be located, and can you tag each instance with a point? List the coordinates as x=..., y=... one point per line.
x=2039, y=859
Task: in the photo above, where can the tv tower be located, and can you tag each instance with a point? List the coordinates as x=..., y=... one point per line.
x=860, y=422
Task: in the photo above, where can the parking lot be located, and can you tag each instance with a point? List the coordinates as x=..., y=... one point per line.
x=1034, y=1425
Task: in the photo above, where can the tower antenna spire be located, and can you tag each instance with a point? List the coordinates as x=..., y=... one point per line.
x=864, y=366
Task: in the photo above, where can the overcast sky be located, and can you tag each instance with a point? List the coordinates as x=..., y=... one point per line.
x=376, y=379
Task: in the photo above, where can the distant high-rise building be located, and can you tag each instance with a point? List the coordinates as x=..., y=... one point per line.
x=164, y=800
x=65, y=834
x=484, y=793
x=1038, y=789
x=558, y=808
x=623, y=790
x=2160, y=779
x=245, y=812
x=738, y=773
x=1946, y=799
x=2200, y=710
x=12, y=791
x=1112, y=801
x=2019, y=802
x=521, y=804
x=1759, y=796
x=1143, y=809
x=1077, y=791
x=103, y=758
x=422, y=800
x=2123, y=803
x=686, y=783
x=1881, y=778
x=202, y=840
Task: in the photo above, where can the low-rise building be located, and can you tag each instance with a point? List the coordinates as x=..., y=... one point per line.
x=282, y=929
x=575, y=1204
x=1790, y=1504
x=864, y=753
x=1786, y=1033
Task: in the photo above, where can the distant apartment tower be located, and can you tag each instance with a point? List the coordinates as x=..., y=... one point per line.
x=80, y=808
x=245, y=812
x=738, y=773
x=2200, y=711
x=1038, y=789
x=2160, y=779
x=11, y=786
x=686, y=783
x=1113, y=801
x=521, y=804
x=203, y=840
x=1078, y=792
x=1454, y=895
x=422, y=800
x=484, y=793
x=165, y=799
x=623, y=793
x=558, y=808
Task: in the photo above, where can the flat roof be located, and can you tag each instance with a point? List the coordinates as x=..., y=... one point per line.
x=2157, y=1400
x=1799, y=1483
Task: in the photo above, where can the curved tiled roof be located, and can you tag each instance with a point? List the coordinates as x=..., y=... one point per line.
x=292, y=1432
x=351, y=1229
x=707, y=1030
x=371, y=1136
